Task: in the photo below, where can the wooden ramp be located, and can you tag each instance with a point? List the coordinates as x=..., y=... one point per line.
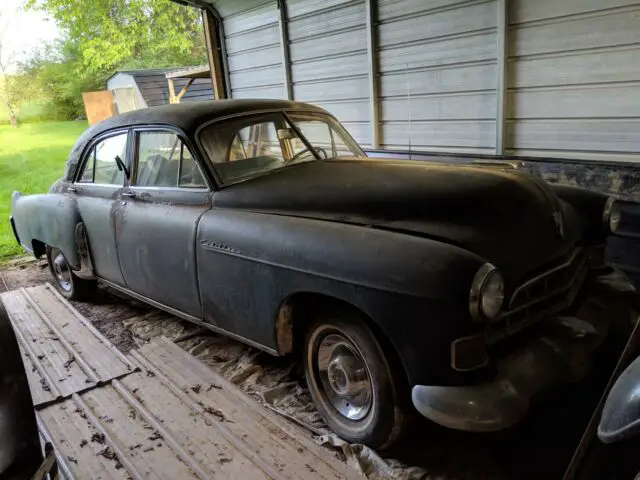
x=156, y=413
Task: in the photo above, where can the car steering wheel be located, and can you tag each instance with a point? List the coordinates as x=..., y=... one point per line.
x=307, y=150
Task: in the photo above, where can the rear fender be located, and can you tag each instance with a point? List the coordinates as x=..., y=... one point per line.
x=47, y=219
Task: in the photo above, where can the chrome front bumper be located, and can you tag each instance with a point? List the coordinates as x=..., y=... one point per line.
x=561, y=354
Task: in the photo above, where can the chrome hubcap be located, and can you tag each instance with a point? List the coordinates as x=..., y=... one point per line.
x=344, y=376
x=61, y=269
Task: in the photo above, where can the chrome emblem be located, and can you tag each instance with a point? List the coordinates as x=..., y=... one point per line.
x=558, y=221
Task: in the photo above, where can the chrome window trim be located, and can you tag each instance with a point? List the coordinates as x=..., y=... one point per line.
x=83, y=159
x=166, y=128
x=172, y=189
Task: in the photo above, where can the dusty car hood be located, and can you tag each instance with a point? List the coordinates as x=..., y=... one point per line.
x=508, y=217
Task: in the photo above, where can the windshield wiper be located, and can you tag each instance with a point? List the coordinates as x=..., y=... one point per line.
x=299, y=134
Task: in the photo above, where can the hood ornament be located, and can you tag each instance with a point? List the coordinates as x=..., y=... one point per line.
x=559, y=223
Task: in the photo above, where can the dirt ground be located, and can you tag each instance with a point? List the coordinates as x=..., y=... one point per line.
x=538, y=448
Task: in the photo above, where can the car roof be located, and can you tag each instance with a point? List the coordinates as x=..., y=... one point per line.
x=186, y=116
x=189, y=116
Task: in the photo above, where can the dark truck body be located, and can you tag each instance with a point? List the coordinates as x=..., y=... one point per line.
x=398, y=240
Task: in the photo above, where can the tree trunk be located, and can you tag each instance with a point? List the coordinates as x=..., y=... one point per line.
x=14, y=121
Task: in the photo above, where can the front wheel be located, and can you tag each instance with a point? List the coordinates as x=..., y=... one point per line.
x=66, y=282
x=352, y=383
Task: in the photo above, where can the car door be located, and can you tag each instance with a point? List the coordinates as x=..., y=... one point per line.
x=97, y=185
x=157, y=219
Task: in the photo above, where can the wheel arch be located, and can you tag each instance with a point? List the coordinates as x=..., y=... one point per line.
x=291, y=323
x=39, y=247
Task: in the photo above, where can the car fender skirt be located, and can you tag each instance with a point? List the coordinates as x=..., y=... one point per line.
x=560, y=354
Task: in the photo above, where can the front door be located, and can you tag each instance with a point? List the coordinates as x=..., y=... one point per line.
x=97, y=186
x=157, y=220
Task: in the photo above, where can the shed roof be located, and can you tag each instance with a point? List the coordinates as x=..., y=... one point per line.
x=154, y=88
x=191, y=72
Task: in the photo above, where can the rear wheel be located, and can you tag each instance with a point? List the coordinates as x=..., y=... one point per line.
x=67, y=283
x=351, y=381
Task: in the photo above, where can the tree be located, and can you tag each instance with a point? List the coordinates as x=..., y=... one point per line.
x=112, y=34
x=102, y=36
x=15, y=88
x=60, y=76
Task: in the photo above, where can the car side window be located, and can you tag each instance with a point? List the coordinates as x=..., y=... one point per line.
x=165, y=161
x=101, y=166
x=325, y=140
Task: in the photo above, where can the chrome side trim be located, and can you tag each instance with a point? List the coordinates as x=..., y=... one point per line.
x=191, y=318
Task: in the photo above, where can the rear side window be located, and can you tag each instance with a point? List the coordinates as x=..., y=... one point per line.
x=101, y=166
x=165, y=161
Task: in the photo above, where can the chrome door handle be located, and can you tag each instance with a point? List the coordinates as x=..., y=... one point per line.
x=129, y=194
x=71, y=189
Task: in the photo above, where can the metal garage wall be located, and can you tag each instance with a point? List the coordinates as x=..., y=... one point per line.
x=438, y=74
x=254, y=55
x=574, y=79
x=329, y=66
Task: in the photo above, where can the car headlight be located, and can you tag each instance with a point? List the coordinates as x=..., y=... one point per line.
x=612, y=215
x=606, y=212
x=487, y=293
x=615, y=218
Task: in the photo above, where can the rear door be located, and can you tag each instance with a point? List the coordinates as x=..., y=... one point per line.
x=157, y=220
x=97, y=186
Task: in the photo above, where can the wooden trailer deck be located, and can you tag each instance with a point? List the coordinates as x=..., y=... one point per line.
x=156, y=412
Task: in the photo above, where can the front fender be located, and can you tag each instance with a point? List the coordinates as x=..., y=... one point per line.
x=50, y=219
x=415, y=289
x=589, y=206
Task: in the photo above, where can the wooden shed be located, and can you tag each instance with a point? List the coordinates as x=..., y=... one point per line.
x=135, y=89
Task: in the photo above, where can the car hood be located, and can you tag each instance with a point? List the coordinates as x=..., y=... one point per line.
x=512, y=219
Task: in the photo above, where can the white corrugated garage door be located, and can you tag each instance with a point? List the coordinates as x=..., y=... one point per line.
x=438, y=74
x=329, y=66
x=254, y=55
x=574, y=79
x=572, y=71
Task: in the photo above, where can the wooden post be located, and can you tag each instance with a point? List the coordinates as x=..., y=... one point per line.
x=213, y=53
x=172, y=91
x=184, y=90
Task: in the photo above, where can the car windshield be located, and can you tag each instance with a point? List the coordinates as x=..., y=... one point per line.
x=248, y=146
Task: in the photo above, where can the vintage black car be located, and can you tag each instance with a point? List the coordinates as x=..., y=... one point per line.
x=459, y=289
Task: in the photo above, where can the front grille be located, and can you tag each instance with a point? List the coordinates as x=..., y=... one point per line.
x=549, y=292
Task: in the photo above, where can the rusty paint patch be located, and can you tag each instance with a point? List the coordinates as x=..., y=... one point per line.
x=284, y=329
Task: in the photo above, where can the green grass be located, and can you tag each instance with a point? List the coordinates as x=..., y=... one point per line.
x=32, y=157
